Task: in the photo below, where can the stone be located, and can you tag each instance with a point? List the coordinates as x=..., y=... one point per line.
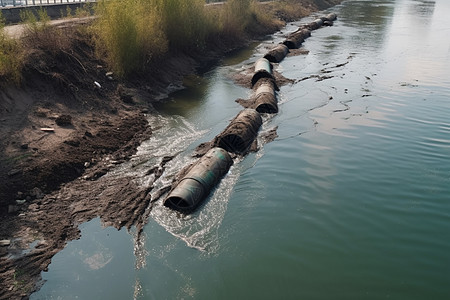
x=64, y=120
x=37, y=193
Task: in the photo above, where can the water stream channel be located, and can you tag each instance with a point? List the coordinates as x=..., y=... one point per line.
x=350, y=201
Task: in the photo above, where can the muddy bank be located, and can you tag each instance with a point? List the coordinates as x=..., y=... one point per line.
x=61, y=132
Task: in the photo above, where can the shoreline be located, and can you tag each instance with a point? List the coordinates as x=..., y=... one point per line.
x=67, y=164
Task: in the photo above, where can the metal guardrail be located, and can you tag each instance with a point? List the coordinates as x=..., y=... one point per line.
x=21, y=3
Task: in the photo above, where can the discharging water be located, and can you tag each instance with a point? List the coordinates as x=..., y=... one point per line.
x=351, y=201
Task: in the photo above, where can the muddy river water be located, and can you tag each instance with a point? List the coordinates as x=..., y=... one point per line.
x=350, y=201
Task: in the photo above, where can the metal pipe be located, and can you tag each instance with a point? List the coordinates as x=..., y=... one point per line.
x=241, y=132
x=316, y=24
x=277, y=54
x=263, y=69
x=295, y=39
x=265, y=100
x=197, y=184
x=331, y=17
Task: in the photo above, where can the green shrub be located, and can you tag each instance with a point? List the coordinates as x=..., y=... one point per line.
x=11, y=57
x=186, y=23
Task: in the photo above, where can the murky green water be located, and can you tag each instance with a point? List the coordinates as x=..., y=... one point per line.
x=351, y=201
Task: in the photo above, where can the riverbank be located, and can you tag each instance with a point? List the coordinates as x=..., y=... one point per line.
x=61, y=131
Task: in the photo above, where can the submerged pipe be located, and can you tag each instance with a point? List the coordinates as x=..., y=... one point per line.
x=295, y=39
x=277, y=54
x=328, y=19
x=316, y=24
x=196, y=185
x=331, y=17
x=241, y=132
x=264, y=99
x=263, y=69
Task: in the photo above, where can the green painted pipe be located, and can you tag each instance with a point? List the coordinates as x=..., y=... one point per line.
x=263, y=69
x=197, y=184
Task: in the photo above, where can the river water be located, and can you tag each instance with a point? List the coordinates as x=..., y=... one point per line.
x=351, y=201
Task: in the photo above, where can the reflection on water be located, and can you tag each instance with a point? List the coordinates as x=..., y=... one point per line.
x=349, y=202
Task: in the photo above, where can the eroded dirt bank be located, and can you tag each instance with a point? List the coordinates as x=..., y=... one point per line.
x=68, y=124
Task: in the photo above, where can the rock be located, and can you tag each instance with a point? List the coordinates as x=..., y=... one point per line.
x=4, y=243
x=20, y=202
x=125, y=94
x=64, y=120
x=37, y=193
x=73, y=143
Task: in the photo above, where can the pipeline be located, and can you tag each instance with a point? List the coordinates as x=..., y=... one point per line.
x=316, y=24
x=264, y=100
x=241, y=132
x=294, y=40
x=238, y=136
x=263, y=69
x=277, y=54
x=196, y=185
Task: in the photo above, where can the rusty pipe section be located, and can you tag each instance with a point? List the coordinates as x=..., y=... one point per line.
x=264, y=99
x=295, y=39
x=196, y=185
x=241, y=132
x=277, y=54
x=263, y=69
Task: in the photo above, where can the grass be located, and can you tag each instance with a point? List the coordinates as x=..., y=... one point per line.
x=129, y=35
x=11, y=57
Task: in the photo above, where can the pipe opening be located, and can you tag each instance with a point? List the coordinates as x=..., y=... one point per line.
x=232, y=143
x=176, y=203
x=267, y=108
x=290, y=44
x=271, y=58
x=260, y=74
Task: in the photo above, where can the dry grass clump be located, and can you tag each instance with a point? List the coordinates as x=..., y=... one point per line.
x=129, y=33
x=239, y=18
x=186, y=24
x=40, y=35
x=11, y=57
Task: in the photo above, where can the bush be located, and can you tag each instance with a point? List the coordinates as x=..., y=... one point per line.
x=186, y=23
x=40, y=35
x=129, y=34
x=11, y=57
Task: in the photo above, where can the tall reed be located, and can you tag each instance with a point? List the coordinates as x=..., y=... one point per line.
x=129, y=33
x=11, y=57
